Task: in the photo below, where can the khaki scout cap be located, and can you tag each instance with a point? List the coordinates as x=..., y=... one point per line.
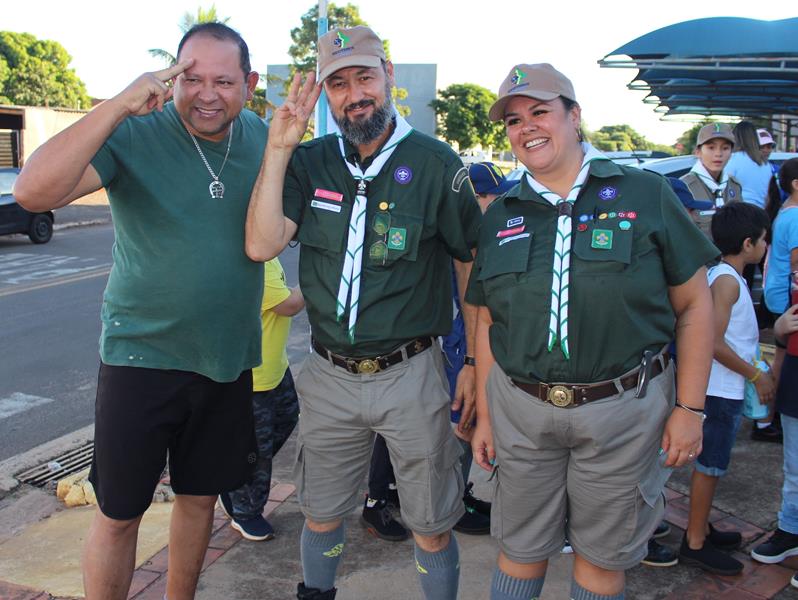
x=715, y=130
x=355, y=47
x=540, y=81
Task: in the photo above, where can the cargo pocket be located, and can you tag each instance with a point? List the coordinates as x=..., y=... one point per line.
x=496, y=506
x=299, y=476
x=445, y=482
x=650, y=504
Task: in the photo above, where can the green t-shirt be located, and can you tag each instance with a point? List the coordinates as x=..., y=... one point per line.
x=631, y=241
x=182, y=293
x=423, y=187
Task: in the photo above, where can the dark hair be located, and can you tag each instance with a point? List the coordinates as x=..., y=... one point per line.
x=787, y=174
x=569, y=104
x=747, y=140
x=221, y=32
x=736, y=222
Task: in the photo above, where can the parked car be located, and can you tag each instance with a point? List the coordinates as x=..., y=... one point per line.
x=676, y=166
x=15, y=219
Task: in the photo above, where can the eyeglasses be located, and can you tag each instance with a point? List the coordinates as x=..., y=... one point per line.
x=378, y=252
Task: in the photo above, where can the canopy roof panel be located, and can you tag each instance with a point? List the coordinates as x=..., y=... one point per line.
x=690, y=68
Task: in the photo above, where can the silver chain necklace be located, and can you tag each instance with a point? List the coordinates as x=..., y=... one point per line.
x=216, y=187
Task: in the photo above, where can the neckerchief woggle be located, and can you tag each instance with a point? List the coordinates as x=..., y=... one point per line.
x=349, y=287
x=561, y=262
x=716, y=188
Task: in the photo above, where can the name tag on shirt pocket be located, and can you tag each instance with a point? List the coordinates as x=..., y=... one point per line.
x=336, y=208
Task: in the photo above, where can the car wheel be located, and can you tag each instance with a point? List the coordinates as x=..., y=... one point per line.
x=41, y=229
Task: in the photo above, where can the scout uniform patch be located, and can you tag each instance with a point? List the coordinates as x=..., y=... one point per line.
x=602, y=239
x=397, y=237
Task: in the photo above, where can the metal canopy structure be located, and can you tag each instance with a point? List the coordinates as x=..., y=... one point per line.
x=721, y=66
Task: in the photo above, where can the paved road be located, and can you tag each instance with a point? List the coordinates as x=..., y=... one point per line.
x=50, y=298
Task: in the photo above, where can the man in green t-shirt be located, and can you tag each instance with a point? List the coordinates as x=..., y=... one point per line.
x=177, y=348
x=380, y=211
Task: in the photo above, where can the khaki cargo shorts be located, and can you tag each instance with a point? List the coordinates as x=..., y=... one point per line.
x=592, y=473
x=408, y=404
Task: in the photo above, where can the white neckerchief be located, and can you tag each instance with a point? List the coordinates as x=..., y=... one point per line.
x=716, y=188
x=349, y=287
x=561, y=266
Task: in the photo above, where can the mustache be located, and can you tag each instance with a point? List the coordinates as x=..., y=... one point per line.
x=361, y=104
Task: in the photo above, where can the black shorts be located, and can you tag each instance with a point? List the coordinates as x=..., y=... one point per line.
x=206, y=427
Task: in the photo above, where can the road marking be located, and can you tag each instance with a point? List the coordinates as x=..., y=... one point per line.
x=53, y=282
x=19, y=402
x=18, y=268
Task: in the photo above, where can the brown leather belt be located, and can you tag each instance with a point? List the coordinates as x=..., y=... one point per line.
x=366, y=366
x=567, y=396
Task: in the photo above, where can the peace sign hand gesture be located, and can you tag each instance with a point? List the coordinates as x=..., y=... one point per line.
x=150, y=90
x=290, y=121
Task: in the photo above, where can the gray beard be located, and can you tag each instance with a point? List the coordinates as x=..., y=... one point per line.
x=364, y=131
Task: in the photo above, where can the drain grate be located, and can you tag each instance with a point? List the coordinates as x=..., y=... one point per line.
x=56, y=468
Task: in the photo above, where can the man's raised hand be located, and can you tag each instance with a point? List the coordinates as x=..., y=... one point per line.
x=290, y=121
x=149, y=91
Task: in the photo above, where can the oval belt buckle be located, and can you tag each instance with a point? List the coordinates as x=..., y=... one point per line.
x=561, y=396
x=368, y=366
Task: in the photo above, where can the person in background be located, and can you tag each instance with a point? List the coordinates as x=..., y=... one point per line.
x=707, y=180
x=748, y=166
x=738, y=230
x=274, y=404
x=766, y=145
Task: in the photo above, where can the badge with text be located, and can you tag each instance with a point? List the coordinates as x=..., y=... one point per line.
x=602, y=239
x=336, y=208
x=403, y=175
x=328, y=195
x=508, y=232
x=515, y=221
x=608, y=193
x=397, y=238
x=459, y=178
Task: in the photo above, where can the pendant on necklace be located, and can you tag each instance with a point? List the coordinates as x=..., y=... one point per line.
x=216, y=189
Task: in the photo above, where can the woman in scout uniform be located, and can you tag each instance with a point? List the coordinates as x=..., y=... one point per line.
x=584, y=271
x=707, y=180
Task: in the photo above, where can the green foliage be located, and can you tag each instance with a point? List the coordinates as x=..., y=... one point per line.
x=623, y=138
x=462, y=112
x=187, y=22
x=686, y=142
x=36, y=72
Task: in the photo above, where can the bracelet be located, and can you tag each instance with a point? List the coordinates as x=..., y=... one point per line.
x=756, y=376
x=469, y=360
x=695, y=411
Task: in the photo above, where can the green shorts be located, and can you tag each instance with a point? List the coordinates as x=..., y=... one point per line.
x=408, y=404
x=592, y=473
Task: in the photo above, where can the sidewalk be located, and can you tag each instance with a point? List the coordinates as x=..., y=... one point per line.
x=236, y=569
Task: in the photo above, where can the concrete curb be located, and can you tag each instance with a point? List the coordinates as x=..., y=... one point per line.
x=60, y=226
x=39, y=455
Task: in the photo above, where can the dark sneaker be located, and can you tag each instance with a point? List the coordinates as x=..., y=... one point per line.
x=780, y=545
x=767, y=434
x=379, y=521
x=256, y=529
x=226, y=504
x=473, y=522
x=709, y=559
x=567, y=548
x=306, y=593
x=727, y=540
x=471, y=501
x=659, y=555
x=662, y=530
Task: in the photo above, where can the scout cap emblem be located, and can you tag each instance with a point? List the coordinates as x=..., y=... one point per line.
x=403, y=175
x=608, y=193
x=519, y=75
x=540, y=81
x=341, y=40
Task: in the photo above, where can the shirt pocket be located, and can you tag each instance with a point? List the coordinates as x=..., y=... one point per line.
x=402, y=240
x=505, y=260
x=324, y=225
x=602, y=248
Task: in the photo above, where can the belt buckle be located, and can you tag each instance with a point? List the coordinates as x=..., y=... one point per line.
x=560, y=396
x=367, y=366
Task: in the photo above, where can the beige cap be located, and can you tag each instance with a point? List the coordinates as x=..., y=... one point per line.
x=355, y=47
x=540, y=81
x=715, y=130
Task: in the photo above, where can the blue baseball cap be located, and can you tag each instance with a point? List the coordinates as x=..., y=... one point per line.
x=683, y=193
x=487, y=178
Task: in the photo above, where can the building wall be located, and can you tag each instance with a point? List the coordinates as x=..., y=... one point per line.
x=40, y=124
x=420, y=81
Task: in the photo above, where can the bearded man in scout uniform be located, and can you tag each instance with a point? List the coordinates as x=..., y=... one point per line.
x=380, y=210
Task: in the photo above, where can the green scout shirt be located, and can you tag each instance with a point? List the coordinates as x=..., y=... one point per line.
x=631, y=240
x=703, y=218
x=433, y=216
x=182, y=293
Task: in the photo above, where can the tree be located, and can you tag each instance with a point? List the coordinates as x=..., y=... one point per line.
x=36, y=72
x=687, y=139
x=187, y=22
x=614, y=138
x=462, y=112
x=303, y=50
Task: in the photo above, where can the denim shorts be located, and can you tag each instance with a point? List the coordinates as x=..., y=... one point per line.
x=720, y=430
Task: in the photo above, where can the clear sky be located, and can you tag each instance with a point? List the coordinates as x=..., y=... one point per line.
x=471, y=41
